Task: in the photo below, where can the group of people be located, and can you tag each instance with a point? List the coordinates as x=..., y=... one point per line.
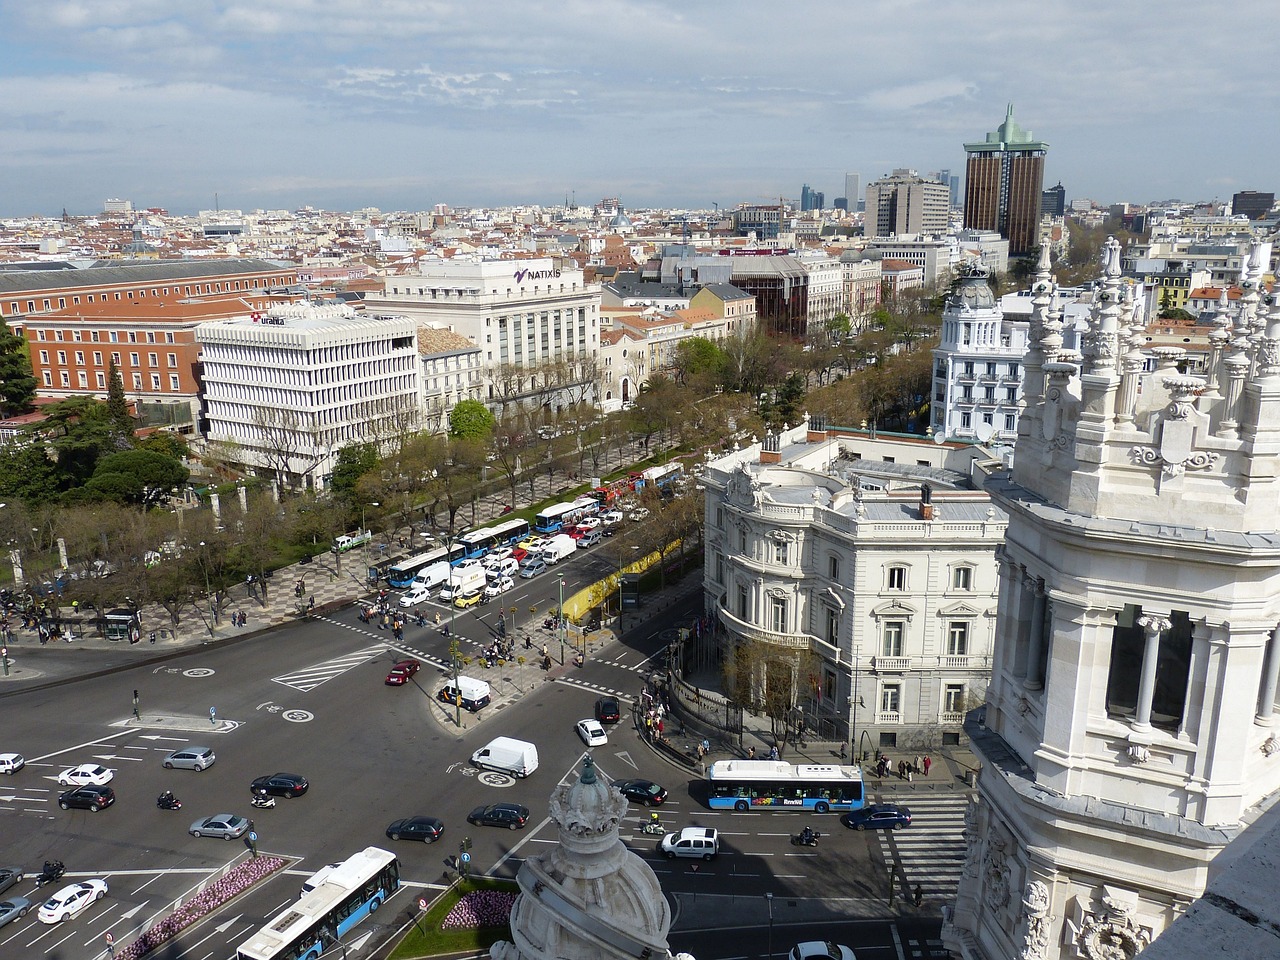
x=906, y=769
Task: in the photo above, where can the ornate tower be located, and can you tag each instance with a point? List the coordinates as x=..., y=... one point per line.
x=1130, y=724
x=590, y=898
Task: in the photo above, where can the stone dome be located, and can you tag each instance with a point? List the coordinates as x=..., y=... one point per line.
x=971, y=289
x=590, y=897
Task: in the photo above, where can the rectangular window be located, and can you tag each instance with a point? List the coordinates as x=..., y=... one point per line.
x=155, y=381
x=102, y=380
x=780, y=551
x=62, y=357
x=44, y=357
x=778, y=614
x=133, y=360
x=953, y=698
x=893, y=633
x=897, y=578
x=137, y=381
x=742, y=603
x=80, y=358
x=65, y=378
x=115, y=358
x=173, y=359
x=48, y=378
x=958, y=638
x=962, y=578
x=168, y=338
x=833, y=627
x=151, y=336
x=173, y=381
x=719, y=569
x=153, y=359
x=890, y=698
x=83, y=378
x=833, y=568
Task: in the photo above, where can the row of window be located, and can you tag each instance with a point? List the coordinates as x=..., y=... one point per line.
x=95, y=336
x=153, y=359
x=953, y=699
x=227, y=286
x=100, y=381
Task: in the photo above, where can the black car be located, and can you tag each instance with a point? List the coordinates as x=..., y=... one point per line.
x=426, y=829
x=878, y=816
x=280, y=785
x=641, y=791
x=607, y=710
x=513, y=816
x=9, y=876
x=87, y=798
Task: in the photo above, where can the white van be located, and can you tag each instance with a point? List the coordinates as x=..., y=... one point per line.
x=557, y=548
x=434, y=575
x=474, y=693
x=516, y=757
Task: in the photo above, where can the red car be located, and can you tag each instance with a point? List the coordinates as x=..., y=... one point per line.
x=518, y=554
x=577, y=532
x=402, y=671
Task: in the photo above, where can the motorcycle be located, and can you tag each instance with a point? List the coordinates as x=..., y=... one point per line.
x=806, y=838
x=52, y=873
x=262, y=801
x=167, y=801
x=653, y=828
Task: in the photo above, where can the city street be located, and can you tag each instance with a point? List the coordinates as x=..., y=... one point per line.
x=309, y=698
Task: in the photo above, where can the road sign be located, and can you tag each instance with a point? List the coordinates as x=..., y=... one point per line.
x=253, y=836
x=108, y=937
x=423, y=903
x=465, y=858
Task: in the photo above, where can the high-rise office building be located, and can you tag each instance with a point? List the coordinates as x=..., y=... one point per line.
x=810, y=199
x=1252, y=204
x=904, y=203
x=1054, y=201
x=1004, y=180
x=852, y=189
x=952, y=184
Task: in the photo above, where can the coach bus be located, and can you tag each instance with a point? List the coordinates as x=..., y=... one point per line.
x=401, y=575
x=353, y=890
x=479, y=542
x=778, y=785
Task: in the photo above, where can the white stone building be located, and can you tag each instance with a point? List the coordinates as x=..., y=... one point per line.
x=977, y=365
x=284, y=391
x=451, y=372
x=1130, y=730
x=826, y=288
x=873, y=553
x=525, y=315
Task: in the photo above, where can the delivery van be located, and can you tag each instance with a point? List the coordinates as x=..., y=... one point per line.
x=468, y=693
x=434, y=575
x=558, y=547
x=462, y=582
x=516, y=757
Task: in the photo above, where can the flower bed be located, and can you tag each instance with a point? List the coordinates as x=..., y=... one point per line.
x=225, y=888
x=480, y=908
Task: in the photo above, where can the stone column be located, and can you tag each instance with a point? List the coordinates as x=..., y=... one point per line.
x=1267, y=702
x=1035, y=647
x=1153, y=626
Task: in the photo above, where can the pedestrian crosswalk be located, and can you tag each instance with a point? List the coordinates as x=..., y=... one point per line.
x=930, y=853
x=308, y=678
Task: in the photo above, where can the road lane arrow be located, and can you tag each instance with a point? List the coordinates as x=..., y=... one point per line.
x=114, y=756
x=132, y=911
x=360, y=941
x=154, y=736
x=225, y=925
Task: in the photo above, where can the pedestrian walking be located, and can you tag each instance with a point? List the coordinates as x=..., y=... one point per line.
x=773, y=752
x=916, y=766
x=902, y=769
x=928, y=762
x=844, y=751
x=751, y=753
x=918, y=895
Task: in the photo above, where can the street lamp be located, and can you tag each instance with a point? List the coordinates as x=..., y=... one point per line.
x=371, y=503
x=213, y=610
x=560, y=619
x=769, y=900
x=454, y=647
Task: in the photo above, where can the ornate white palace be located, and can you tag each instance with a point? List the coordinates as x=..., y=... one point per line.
x=1130, y=726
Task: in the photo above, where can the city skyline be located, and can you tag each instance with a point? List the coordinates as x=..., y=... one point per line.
x=405, y=104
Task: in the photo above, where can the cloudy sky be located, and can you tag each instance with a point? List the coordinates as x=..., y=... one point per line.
x=402, y=104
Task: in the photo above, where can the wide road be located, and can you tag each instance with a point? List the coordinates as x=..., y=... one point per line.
x=309, y=698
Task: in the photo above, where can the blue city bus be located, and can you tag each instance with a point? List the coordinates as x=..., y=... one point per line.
x=778, y=785
x=479, y=542
x=555, y=518
x=402, y=573
x=351, y=891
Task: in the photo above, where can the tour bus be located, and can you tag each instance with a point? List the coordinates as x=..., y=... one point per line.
x=351, y=891
x=778, y=785
x=479, y=542
x=401, y=575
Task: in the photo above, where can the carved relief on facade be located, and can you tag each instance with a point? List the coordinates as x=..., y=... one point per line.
x=743, y=489
x=972, y=839
x=1036, y=921
x=995, y=874
x=1108, y=927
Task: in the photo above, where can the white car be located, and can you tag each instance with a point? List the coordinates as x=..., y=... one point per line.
x=640, y=514
x=85, y=775
x=503, y=568
x=72, y=900
x=820, y=950
x=592, y=733
x=699, y=842
x=471, y=563
x=610, y=517
x=417, y=595
x=497, y=588
x=590, y=523
x=501, y=553
x=11, y=762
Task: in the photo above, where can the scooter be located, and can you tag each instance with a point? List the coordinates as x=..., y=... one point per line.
x=654, y=828
x=262, y=801
x=52, y=873
x=167, y=801
x=806, y=838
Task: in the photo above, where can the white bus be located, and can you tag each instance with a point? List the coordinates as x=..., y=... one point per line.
x=349, y=892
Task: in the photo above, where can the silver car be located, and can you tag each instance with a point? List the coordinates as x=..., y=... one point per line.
x=225, y=825
x=190, y=758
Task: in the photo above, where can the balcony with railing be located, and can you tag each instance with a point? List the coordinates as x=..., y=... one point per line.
x=928, y=664
x=950, y=718
x=749, y=631
x=890, y=664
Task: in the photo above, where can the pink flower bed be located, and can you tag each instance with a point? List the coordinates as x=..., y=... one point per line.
x=480, y=908
x=225, y=888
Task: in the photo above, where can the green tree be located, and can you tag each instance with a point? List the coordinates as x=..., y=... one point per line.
x=117, y=405
x=17, y=385
x=27, y=473
x=353, y=462
x=170, y=444
x=81, y=432
x=141, y=477
x=470, y=420
x=697, y=360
